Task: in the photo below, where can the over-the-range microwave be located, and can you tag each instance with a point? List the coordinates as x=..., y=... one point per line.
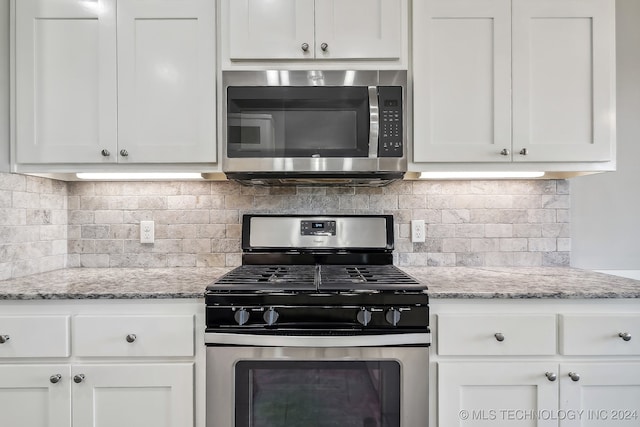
x=308, y=127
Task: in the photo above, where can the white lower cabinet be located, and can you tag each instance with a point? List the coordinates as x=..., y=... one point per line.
x=113, y=364
x=159, y=395
x=35, y=395
x=479, y=394
x=535, y=363
x=605, y=394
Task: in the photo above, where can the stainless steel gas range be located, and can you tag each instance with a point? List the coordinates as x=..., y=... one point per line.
x=317, y=328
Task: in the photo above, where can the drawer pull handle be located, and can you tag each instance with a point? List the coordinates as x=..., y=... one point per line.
x=55, y=378
x=626, y=336
x=551, y=376
x=4, y=338
x=574, y=376
x=131, y=337
x=78, y=378
x=499, y=336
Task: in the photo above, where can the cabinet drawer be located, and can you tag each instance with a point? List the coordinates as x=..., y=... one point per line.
x=600, y=334
x=129, y=336
x=34, y=336
x=461, y=334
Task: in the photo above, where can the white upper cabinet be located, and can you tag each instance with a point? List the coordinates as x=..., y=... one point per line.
x=109, y=81
x=166, y=80
x=462, y=80
x=313, y=29
x=498, y=81
x=65, y=80
x=563, y=79
x=278, y=29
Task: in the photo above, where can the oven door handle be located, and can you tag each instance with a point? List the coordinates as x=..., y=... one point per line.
x=255, y=340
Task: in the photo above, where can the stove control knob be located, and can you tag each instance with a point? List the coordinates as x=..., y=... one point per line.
x=241, y=316
x=364, y=316
x=393, y=316
x=270, y=316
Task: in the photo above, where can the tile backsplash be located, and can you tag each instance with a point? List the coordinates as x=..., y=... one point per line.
x=33, y=225
x=197, y=224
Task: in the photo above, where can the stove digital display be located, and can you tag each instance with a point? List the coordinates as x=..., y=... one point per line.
x=317, y=228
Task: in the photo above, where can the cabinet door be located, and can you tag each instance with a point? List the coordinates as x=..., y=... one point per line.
x=462, y=80
x=563, y=80
x=269, y=29
x=358, y=29
x=490, y=394
x=608, y=394
x=159, y=395
x=65, y=81
x=28, y=397
x=166, y=81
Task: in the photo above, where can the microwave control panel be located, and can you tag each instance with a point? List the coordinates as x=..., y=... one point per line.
x=390, y=140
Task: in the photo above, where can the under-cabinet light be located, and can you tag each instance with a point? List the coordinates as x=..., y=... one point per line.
x=480, y=175
x=138, y=176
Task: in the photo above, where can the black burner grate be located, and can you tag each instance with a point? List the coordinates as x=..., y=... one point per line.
x=268, y=277
x=364, y=277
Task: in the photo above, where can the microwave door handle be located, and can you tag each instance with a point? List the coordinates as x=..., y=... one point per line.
x=374, y=121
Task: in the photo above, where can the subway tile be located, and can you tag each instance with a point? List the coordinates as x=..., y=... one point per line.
x=497, y=223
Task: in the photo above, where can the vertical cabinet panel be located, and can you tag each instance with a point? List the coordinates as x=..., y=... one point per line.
x=607, y=393
x=274, y=29
x=462, y=83
x=476, y=394
x=65, y=80
x=29, y=398
x=134, y=395
x=166, y=81
x=563, y=79
x=358, y=29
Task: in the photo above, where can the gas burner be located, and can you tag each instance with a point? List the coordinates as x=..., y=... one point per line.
x=317, y=273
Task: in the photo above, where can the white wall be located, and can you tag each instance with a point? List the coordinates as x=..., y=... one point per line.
x=4, y=85
x=606, y=207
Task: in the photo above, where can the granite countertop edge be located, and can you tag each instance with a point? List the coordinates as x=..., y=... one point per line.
x=463, y=283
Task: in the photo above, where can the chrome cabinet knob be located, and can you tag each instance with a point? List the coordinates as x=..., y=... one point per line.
x=4, y=338
x=324, y=47
x=505, y=152
x=241, y=316
x=55, y=378
x=131, y=338
x=305, y=47
x=393, y=316
x=270, y=316
x=78, y=378
x=364, y=316
x=551, y=376
x=499, y=336
x=124, y=153
x=524, y=152
x=574, y=376
x=626, y=336
x=105, y=153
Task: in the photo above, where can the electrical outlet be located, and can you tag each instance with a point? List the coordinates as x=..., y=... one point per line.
x=147, y=234
x=417, y=230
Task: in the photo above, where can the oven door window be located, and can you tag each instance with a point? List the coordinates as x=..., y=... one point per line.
x=295, y=121
x=317, y=393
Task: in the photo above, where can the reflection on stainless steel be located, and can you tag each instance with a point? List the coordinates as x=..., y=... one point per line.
x=352, y=232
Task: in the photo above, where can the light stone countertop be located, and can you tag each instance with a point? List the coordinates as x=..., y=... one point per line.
x=522, y=282
x=112, y=283
x=443, y=282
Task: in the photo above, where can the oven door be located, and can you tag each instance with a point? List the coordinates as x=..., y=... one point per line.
x=267, y=386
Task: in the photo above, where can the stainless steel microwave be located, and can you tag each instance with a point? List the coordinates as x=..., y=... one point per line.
x=326, y=127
